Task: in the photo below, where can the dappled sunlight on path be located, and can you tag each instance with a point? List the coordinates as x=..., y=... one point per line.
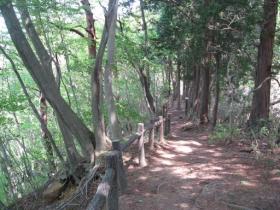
x=188, y=173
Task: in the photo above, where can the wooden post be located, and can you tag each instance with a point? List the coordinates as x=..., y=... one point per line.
x=161, y=130
x=122, y=181
x=167, y=125
x=141, y=148
x=152, y=137
x=112, y=160
x=116, y=145
x=107, y=191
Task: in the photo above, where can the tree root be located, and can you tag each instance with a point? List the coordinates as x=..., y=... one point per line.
x=80, y=190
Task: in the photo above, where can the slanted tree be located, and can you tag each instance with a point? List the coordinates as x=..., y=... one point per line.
x=40, y=72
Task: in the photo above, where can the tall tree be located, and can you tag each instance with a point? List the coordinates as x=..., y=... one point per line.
x=144, y=72
x=206, y=60
x=114, y=127
x=96, y=81
x=261, y=96
x=96, y=75
x=90, y=28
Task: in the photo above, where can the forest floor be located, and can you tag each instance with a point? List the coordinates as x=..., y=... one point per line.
x=188, y=172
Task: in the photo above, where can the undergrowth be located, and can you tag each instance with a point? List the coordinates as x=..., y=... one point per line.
x=224, y=133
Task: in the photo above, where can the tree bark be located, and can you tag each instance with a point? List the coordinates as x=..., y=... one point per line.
x=46, y=140
x=168, y=74
x=194, y=102
x=115, y=131
x=73, y=155
x=204, y=106
x=46, y=82
x=178, y=89
x=217, y=94
x=96, y=79
x=90, y=28
x=261, y=97
x=45, y=59
x=146, y=87
x=144, y=72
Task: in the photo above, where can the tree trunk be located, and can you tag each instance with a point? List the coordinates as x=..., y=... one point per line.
x=98, y=117
x=144, y=72
x=115, y=131
x=46, y=82
x=46, y=141
x=90, y=28
x=217, y=94
x=195, y=99
x=45, y=59
x=261, y=96
x=205, y=91
x=96, y=79
x=204, y=106
x=168, y=74
x=146, y=87
x=73, y=155
x=178, y=89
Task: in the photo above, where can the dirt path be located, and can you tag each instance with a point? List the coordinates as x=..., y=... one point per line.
x=188, y=173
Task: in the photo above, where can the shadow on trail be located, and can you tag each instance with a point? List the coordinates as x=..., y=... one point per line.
x=188, y=173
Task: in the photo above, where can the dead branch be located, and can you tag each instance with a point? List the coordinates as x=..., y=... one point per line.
x=274, y=103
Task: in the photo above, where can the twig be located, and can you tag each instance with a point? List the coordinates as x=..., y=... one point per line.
x=264, y=81
x=274, y=103
x=160, y=186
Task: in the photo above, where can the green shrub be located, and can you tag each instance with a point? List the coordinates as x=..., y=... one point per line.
x=224, y=133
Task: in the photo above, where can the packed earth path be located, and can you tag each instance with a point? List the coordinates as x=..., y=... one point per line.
x=187, y=172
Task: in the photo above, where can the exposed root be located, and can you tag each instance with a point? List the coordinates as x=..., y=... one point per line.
x=80, y=190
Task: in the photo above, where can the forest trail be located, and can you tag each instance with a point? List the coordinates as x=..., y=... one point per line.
x=189, y=173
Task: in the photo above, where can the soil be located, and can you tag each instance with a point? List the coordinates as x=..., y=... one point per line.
x=188, y=172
